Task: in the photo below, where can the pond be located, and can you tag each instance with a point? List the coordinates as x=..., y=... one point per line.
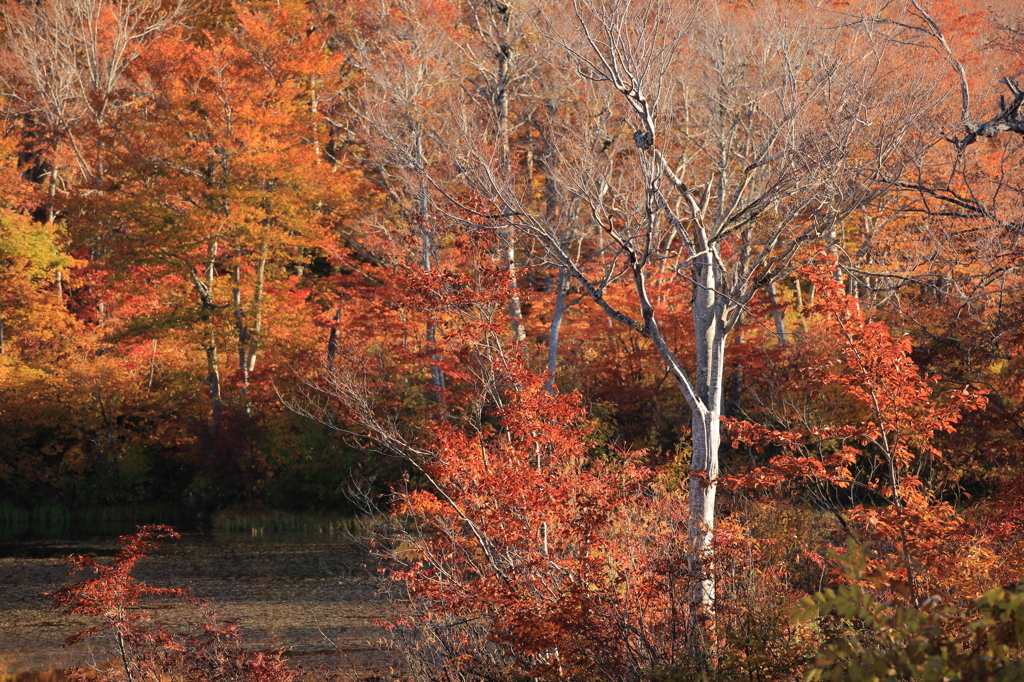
x=311, y=596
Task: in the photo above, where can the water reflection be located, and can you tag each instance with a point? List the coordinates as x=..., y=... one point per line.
x=308, y=595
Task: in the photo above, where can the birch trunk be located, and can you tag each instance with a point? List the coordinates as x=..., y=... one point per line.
x=241, y=329
x=213, y=380
x=556, y=326
x=780, y=322
x=248, y=335
x=426, y=262
x=205, y=291
x=710, y=336
x=257, y=308
x=515, y=306
x=503, y=55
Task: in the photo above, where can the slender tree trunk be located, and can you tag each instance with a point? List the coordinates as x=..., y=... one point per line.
x=212, y=361
x=552, y=203
x=110, y=445
x=503, y=54
x=334, y=339
x=833, y=240
x=241, y=329
x=213, y=379
x=436, y=373
x=152, y=367
x=798, y=287
x=313, y=107
x=556, y=325
x=515, y=305
x=3, y=346
x=248, y=336
x=710, y=337
x=780, y=322
x=257, y=308
x=426, y=262
x=866, y=256
x=125, y=656
x=51, y=192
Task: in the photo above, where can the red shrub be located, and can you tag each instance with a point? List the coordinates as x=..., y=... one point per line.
x=149, y=653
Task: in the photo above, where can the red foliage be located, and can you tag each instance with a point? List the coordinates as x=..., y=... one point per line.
x=870, y=372
x=562, y=562
x=114, y=593
x=213, y=651
x=869, y=433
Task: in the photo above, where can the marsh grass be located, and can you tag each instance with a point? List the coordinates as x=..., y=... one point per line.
x=271, y=522
x=52, y=520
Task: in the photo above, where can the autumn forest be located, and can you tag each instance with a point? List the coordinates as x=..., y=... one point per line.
x=662, y=340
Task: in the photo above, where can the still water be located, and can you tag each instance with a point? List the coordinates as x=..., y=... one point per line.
x=313, y=597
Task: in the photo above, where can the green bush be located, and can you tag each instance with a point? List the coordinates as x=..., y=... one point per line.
x=931, y=641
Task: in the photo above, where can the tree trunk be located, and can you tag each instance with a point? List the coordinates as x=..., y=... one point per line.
x=800, y=303
x=503, y=54
x=515, y=306
x=213, y=379
x=556, y=325
x=241, y=329
x=780, y=322
x=257, y=308
x=710, y=337
x=205, y=291
x=334, y=339
x=436, y=373
x=248, y=336
x=701, y=523
x=426, y=262
x=51, y=194
x=705, y=398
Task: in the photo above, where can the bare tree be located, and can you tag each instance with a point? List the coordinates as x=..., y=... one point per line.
x=466, y=105
x=398, y=121
x=718, y=145
x=743, y=137
x=64, y=67
x=497, y=68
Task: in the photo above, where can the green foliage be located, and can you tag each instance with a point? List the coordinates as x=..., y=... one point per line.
x=310, y=468
x=897, y=639
x=30, y=246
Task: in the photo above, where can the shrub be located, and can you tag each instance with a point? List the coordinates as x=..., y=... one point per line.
x=211, y=652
